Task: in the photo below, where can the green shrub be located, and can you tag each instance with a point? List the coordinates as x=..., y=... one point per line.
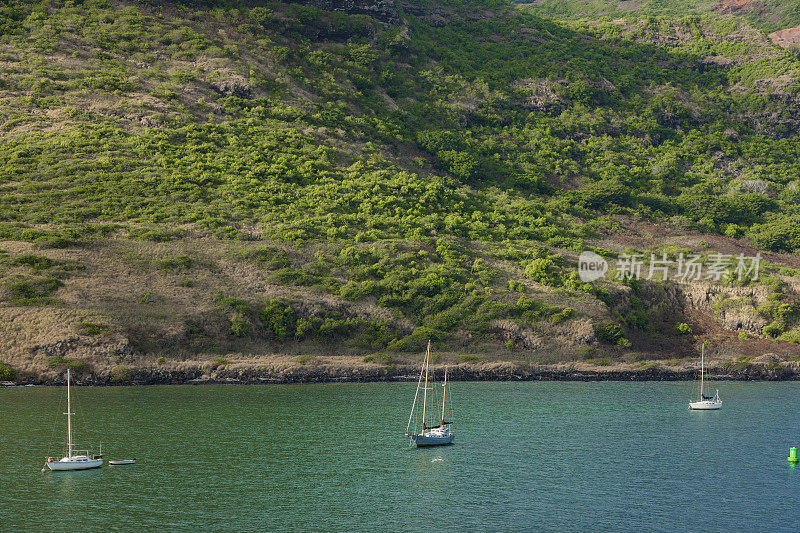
x=773, y=329
x=267, y=257
x=90, y=328
x=683, y=328
x=563, y=315
x=35, y=262
x=7, y=373
x=121, y=374
x=600, y=194
x=397, y=345
x=747, y=208
x=146, y=297
x=779, y=235
x=739, y=365
x=32, y=291
x=516, y=286
x=180, y=263
x=233, y=304
x=303, y=359
x=534, y=310
x=734, y=230
x=609, y=333
x=544, y=271
x=418, y=340
x=54, y=242
x=239, y=325
x=61, y=362
x=279, y=318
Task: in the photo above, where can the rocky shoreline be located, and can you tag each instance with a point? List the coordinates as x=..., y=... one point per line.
x=377, y=373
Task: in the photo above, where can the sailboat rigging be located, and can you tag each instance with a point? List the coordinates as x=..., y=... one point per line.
x=73, y=460
x=429, y=435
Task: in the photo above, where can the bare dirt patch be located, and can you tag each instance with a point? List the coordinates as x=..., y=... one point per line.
x=735, y=6
x=787, y=38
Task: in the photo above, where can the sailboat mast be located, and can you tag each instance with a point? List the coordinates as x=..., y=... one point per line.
x=702, y=367
x=444, y=393
x=425, y=390
x=69, y=419
x=414, y=405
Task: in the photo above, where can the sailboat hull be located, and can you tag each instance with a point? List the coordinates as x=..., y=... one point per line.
x=75, y=465
x=705, y=405
x=429, y=440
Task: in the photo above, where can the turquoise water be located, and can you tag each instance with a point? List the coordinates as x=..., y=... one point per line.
x=533, y=456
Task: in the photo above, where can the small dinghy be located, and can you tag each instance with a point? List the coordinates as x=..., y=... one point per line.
x=117, y=462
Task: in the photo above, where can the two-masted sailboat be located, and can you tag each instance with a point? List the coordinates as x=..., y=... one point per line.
x=74, y=459
x=423, y=434
x=705, y=403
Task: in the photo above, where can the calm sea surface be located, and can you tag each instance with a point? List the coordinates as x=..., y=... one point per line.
x=532, y=456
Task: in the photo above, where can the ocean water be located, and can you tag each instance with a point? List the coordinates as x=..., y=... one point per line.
x=542, y=456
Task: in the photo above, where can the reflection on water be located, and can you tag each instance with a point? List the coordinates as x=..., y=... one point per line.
x=69, y=484
x=541, y=456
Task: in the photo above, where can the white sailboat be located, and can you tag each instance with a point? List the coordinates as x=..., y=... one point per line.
x=74, y=460
x=433, y=435
x=705, y=403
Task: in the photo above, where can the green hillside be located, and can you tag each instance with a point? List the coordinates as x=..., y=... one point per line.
x=767, y=15
x=221, y=183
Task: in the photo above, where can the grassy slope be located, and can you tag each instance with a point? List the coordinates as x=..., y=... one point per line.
x=768, y=15
x=214, y=183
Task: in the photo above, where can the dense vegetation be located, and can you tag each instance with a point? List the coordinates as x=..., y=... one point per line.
x=767, y=15
x=446, y=173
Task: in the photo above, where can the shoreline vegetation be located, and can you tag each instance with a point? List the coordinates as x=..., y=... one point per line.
x=224, y=192
x=354, y=370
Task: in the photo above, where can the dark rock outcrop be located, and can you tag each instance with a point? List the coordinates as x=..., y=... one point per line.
x=382, y=10
x=234, y=86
